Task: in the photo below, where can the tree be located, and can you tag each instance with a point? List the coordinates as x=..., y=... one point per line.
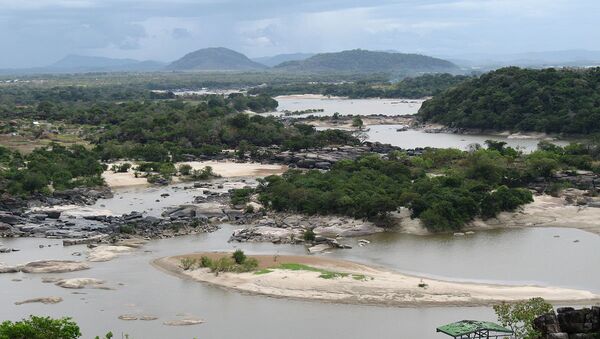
x=40, y=328
x=519, y=316
x=357, y=122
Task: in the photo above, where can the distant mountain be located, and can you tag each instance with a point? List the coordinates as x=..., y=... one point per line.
x=82, y=64
x=564, y=58
x=215, y=59
x=277, y=59
x=363, y=61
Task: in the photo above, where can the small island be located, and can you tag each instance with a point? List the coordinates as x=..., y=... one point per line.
x=339, y=281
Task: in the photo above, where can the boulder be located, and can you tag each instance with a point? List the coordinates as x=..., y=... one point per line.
x=54, y=266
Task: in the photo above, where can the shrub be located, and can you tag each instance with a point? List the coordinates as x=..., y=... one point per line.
x=241, y=196
x=188, y=263
x=309, y=235
x=122, y=168
x=206, y=262
x=239, y=257
x=126, y=229
x=185, y=169
x=249, y=209
x=40, y=328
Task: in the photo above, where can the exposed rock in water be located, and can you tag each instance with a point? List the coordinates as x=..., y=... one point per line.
x=54, y=266
x=128, y=317
x=107, y=252
x=286, y=228
x=183, y=322
x=44, y=300
x=79, y=283
x=569, y=323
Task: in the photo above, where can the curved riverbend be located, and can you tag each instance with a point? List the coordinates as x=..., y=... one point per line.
x=354, y=283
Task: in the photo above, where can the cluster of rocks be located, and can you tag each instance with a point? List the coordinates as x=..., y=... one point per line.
x=585, y=180
x=325, y=157
x=569, y=323
x=75, y=196
x=581, y=180
x=292, y=229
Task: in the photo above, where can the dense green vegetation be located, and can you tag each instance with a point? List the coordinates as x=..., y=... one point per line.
x=411, y=87
x=45, y=169
x=548, y=100
x=445, y=188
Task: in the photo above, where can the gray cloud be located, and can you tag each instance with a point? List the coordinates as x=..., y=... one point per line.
x=37, y=32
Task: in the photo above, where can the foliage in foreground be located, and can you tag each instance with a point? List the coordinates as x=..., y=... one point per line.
x=40, y=328
x=519, y=316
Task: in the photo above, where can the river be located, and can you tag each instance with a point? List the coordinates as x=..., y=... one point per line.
x=544, y=256
x=520, y=256
x=387, y=133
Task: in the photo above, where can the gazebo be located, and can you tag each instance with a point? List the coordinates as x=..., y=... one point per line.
x=474, y=329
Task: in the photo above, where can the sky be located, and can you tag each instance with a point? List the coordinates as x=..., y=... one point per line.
x=39, y=32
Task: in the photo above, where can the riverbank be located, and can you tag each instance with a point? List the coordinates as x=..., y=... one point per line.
x=327, y=280
x=224, y=169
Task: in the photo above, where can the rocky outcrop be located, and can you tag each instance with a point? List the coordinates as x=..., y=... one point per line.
x=290, y=229
x=324, y=158
x=54, y=266
x=569, y=323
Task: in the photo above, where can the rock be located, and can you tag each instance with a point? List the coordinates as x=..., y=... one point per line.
x=148, y=318
x=319, y=248
x=11, y=219
x=90, y=240
x=569, y=323
x=10, y=269
x=53, y=214
x=44, y=300
x=128, y=317
x=54, y=266
x=459, y=234
x=79, y=283
x=183, y=322
x=107, y=252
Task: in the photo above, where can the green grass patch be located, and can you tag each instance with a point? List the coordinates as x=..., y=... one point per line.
x=325, y=274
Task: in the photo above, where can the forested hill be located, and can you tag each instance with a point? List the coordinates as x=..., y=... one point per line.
x=215, y=59
x=363, y=61
x=548, y=100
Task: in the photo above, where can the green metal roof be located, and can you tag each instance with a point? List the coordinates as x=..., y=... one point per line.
x=465, y=327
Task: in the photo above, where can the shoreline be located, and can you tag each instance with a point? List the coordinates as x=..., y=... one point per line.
x=380, y=286
x=225, y=169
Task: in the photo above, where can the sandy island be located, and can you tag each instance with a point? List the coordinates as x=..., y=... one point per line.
x=364, y=284
x=226, y=169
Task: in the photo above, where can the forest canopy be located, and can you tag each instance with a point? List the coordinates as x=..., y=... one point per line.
x=548, y=100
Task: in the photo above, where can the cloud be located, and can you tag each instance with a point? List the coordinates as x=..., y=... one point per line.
x=37, y=32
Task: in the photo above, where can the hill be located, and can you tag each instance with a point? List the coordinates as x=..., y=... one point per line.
x=215, y=59
x=548, y=100
x=280, y=58
x=363, y=61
